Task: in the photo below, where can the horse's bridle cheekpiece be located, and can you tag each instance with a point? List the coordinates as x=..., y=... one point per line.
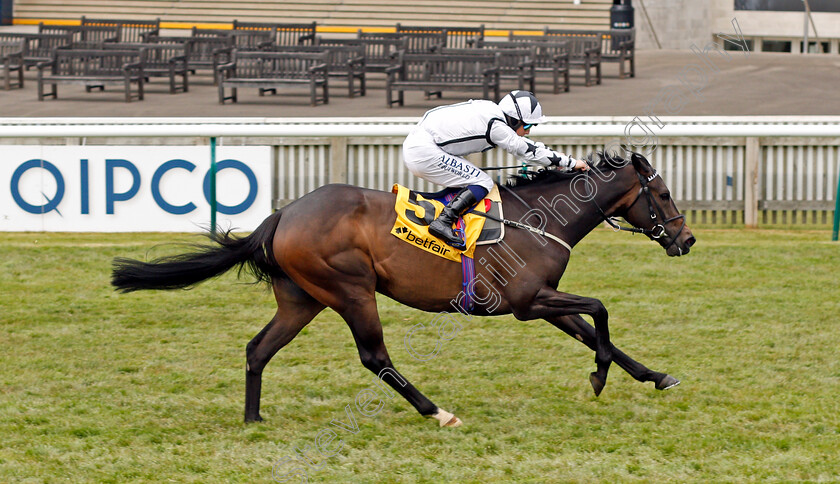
x=658, y=230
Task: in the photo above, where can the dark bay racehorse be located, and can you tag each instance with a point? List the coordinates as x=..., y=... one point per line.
x=333, y=248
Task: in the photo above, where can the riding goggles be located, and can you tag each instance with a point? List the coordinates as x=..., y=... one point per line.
x=528, y=126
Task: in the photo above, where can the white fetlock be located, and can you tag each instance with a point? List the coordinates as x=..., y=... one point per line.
x=447, y=419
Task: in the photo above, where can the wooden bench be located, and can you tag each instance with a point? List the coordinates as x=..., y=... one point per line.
x=130, y=30
x=619, y=45
x=432, y=73
x=555, y=59
x=584, y=51
x=456, y=37
x=242, y=39
x=284, y=33
x=343, y=61
x=514, y=63
x=416, y=42
x=616, y=45
x=11, y=61
x=37, y=47
x=84, y=36
x=93, y=68
x=549, y=57
x=162, y=60
x=270, y=70
x=379, y=53
x=203, y=53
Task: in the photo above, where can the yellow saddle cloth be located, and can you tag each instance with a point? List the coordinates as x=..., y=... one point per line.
x=415, y=213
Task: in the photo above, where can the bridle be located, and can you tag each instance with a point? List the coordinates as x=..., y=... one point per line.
x=658, y=230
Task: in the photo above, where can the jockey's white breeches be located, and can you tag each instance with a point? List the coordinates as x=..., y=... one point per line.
x=428, y=161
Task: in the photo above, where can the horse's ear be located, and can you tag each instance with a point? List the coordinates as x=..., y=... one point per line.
x=611, y=158
x=641, y=163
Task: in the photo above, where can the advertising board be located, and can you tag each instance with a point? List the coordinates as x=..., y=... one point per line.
x=132, y=188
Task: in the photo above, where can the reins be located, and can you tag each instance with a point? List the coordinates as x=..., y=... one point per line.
x=510, y=223
x=492, y=168
x=656, y=232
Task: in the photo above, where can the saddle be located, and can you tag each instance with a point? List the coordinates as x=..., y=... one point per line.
x=416, y=210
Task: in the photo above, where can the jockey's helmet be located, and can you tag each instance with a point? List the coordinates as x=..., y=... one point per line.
x=522, y=108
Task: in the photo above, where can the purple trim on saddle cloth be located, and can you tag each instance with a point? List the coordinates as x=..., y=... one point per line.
x=467, y=265
x=468, y=271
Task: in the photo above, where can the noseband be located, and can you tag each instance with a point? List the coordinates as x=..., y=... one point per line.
x=658, y=230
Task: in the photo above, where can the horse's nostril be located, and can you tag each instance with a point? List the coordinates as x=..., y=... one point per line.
x=690, y=241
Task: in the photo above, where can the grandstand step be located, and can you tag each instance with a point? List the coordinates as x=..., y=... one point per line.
x=494, y=14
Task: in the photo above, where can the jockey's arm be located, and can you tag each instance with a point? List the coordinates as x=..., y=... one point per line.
x=533, y=152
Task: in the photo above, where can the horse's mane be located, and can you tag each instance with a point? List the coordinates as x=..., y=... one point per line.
x=604, y=162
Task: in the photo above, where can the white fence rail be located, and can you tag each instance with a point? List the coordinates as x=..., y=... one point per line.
x=753, y=170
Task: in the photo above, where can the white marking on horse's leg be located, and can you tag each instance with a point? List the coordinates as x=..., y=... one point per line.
x=447, y=419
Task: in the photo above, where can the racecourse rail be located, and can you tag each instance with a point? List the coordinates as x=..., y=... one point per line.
x=753, y=170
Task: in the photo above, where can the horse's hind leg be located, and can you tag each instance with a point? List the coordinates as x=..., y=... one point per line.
x=363, y=319
x=577, y=327
x=295, y=309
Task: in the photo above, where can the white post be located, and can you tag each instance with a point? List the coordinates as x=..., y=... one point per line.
x=751, y=182
x=338, y=159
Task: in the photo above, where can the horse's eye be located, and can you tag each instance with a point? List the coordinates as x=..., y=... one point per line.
x=665, y=196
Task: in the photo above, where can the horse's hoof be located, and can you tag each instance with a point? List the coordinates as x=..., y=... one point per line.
x=447, y=419
x=667, y=382
x=253, y=419
x=453, y=422
x=597, y=383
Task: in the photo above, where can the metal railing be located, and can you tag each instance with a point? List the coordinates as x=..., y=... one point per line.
x=730, y=170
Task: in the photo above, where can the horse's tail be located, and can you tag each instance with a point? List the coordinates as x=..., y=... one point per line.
x=252, y=253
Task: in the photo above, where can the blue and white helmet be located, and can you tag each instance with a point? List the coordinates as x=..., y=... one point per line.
x=522, y=106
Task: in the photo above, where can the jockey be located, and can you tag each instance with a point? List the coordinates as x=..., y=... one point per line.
x=434, y=150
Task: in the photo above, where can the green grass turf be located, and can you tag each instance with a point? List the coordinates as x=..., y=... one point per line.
x=101, y=387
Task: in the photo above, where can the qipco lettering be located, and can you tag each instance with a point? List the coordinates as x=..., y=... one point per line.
x=123, y=167
x=59, y=183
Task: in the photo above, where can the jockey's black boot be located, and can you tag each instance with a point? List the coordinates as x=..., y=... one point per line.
x=441, y=227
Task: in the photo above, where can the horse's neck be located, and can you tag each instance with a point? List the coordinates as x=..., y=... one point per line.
x=568, y=213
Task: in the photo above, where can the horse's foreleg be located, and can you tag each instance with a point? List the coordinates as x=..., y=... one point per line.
x=363, y=319
x=577, y=327
x=550, y=303
x=295, y=309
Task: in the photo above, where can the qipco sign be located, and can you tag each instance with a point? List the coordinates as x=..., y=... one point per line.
x=132, y=188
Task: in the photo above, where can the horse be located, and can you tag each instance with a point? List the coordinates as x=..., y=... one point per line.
x=333, y=248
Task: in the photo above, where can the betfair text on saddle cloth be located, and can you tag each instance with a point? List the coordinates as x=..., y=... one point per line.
x=435, y=150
